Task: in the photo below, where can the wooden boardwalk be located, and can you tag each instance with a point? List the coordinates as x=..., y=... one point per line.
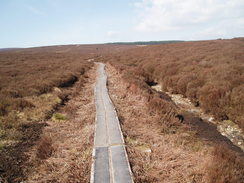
x=110, y=162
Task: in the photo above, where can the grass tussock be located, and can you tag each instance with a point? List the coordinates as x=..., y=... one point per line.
x=44, y=148
x=59, y=117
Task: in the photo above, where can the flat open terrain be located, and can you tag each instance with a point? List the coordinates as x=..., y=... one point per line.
x=47, y=110
x=34, y=83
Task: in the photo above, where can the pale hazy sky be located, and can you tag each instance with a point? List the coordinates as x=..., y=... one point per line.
x=26, y=23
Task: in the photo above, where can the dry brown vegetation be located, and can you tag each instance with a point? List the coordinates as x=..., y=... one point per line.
x=27, y=84
x=160, y=148
x=34, y=83
x=63, y=154
x=209, y=73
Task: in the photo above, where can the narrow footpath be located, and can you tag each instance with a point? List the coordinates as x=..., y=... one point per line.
x=110, y=161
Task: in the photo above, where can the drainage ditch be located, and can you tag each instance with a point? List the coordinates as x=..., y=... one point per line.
x=226, y=127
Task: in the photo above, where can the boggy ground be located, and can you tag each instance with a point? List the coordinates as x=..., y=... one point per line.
x=59, y=149
x=160, y=148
